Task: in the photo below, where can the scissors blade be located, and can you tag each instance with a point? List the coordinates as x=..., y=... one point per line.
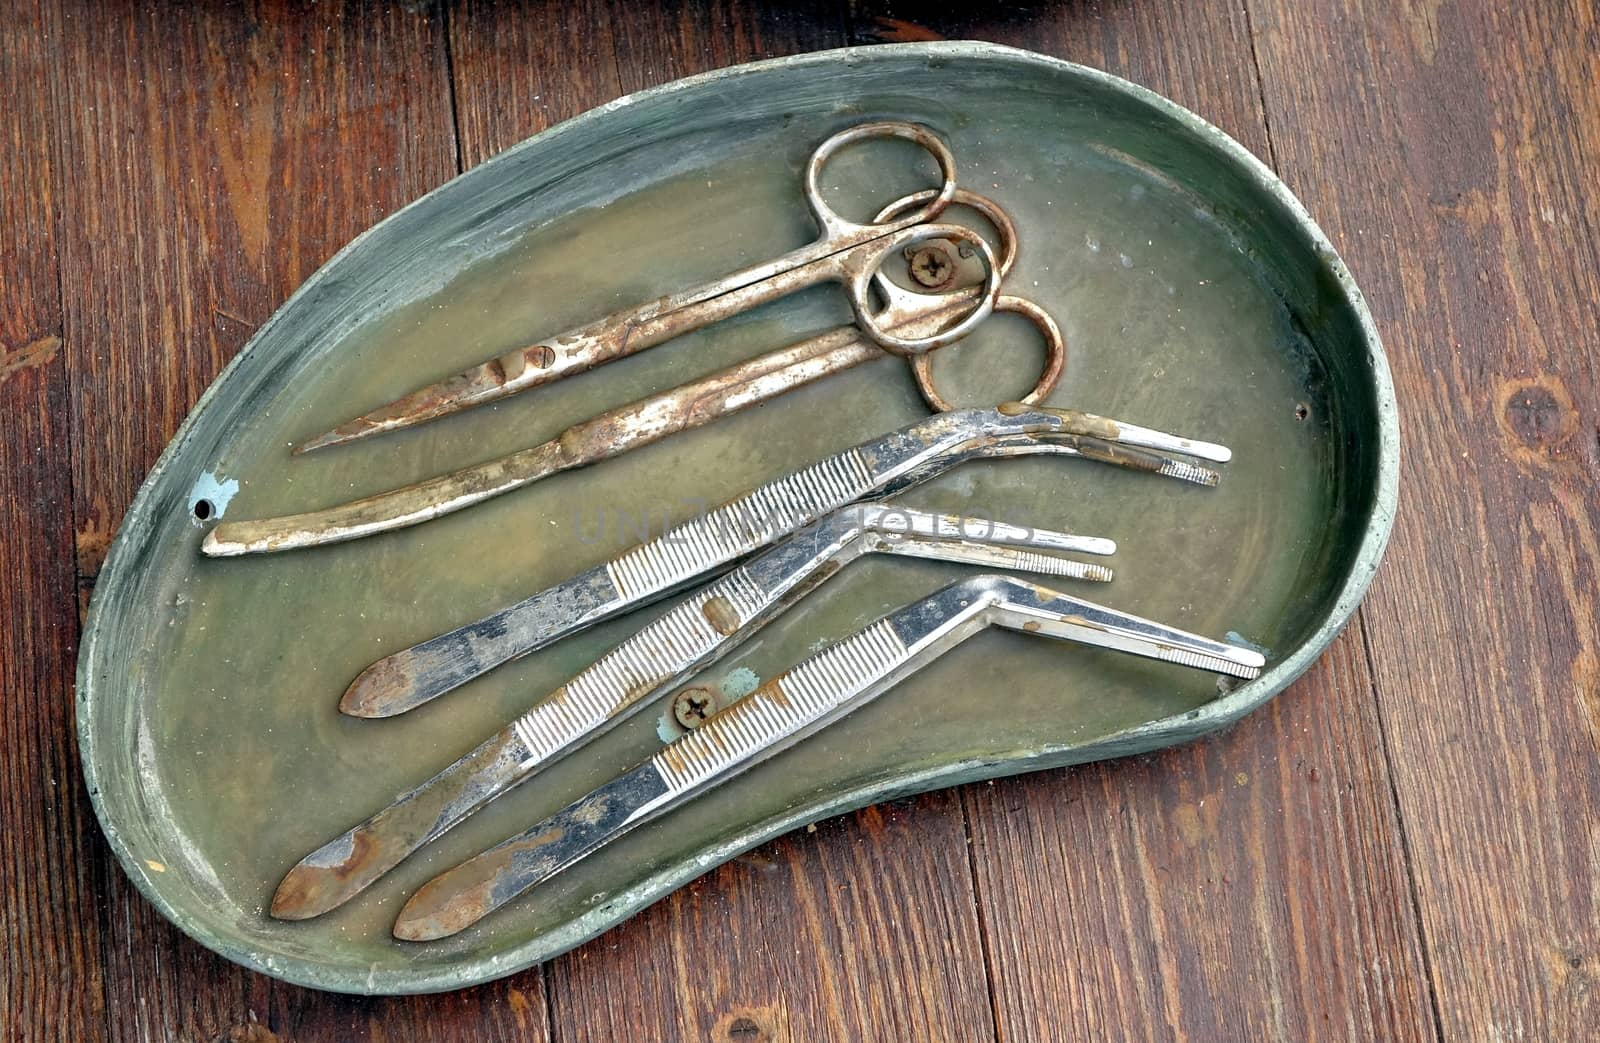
x=601, y=437
x=610, y=338
x=634, y=329
x=781, y=712
x=386, y=511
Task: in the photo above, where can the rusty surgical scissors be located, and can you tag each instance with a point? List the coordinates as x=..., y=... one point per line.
x=919, y=316
x=846, y=252
x=786, y=709
x=694, y=634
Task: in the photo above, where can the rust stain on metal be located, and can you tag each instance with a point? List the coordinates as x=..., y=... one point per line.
x=1072, y=420
x=1094, y=426
x=932, y=266
x=304, y=890
x=773, y=691
x=375, y=686
x=1031, y=626
x=424, y=919
x=692, y=706
x=720, y=613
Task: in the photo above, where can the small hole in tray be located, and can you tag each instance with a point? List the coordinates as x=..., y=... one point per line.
x=203, y=509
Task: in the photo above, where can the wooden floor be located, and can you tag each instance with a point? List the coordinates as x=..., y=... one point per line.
x=1404, y=846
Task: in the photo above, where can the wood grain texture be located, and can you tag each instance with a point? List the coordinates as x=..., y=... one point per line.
x=1242, y=887
x=51, y=980
x=1451, y=148
x=519, y=68
x=215, y=158
x=863, y=929
x=656, y=43
x=1196, y=54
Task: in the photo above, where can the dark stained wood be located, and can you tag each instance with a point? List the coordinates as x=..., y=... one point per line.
x=1451, y=149
x=1401, y=847
x=862, y=929
x=518, y=68
x=666, y=41
x=51, y=972
x=1244, y=887
x=1197, y=55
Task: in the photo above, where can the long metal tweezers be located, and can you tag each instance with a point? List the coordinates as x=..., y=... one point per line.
x=691, y=636
x=784, y=710
x=697, y=548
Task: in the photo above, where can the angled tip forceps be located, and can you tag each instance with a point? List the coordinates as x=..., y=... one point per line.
x=781, y=712
x=846, y=251
x=684, y=554
x=692, y=635
x=655, y=417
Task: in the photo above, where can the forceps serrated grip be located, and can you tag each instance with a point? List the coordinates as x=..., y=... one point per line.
x=783, y=711
x=846, y=252
x=689, y=637
x=873, y=470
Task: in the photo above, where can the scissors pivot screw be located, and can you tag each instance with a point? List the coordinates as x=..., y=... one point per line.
x=932, y=267
x=692, y=706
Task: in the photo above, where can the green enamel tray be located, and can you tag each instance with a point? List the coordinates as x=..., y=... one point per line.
x=1196, y=294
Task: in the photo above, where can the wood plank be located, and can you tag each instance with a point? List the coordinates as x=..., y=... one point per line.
x=51, y=985
x=662, y=42
x=1198, y=58
x=519, y=68
x=214, y=157
x=1242, y=887
x=864, y=929
x=1252, y=885
x=1451, y=148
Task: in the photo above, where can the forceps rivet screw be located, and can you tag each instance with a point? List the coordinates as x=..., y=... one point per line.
x=931, y=267
x=692, y=706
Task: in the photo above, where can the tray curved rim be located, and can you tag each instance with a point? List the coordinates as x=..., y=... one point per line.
x=1166, y=731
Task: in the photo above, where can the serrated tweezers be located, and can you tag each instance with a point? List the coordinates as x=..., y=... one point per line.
x=780, y=713
x=689, y=552
x=691, y=636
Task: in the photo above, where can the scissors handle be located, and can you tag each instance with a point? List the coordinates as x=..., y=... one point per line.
x=835, y=226
x=843, y=252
